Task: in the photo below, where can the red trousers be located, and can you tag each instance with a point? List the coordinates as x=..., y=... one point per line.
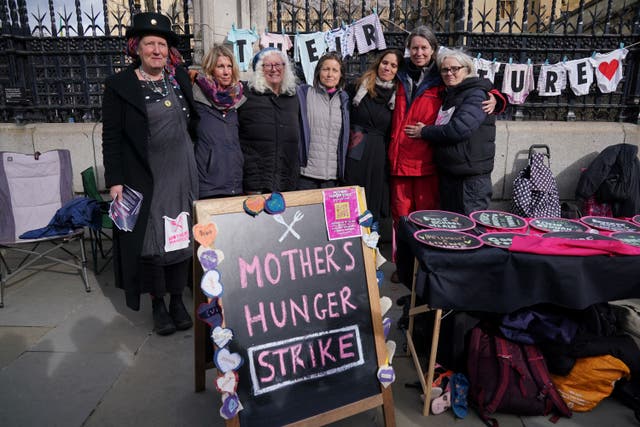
x=412, y=193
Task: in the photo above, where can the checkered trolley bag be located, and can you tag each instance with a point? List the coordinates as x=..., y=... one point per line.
x=535, y=190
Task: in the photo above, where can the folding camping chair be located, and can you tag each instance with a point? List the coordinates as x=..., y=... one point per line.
x=32, y=189
x=98, y=237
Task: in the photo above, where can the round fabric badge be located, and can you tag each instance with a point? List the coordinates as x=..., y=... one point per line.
x=557, y=224
x=610, y=224
x=441, y=220
x=447, y=239
x=499, y=239
x=629, y=237
x=498, y=220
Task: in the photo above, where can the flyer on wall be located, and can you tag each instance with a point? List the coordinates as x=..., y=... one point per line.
x=341, y=212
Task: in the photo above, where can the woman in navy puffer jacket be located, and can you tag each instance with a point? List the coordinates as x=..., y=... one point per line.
x=218, y=93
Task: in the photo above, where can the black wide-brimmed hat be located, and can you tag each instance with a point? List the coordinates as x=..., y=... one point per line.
x=146, y=23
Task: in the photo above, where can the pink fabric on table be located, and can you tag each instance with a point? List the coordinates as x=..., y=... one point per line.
x=558, y=246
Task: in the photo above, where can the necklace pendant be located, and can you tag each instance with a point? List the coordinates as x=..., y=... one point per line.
x=167, y=103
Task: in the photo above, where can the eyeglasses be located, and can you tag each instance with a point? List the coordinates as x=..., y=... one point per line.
x=452, y=70
x=277, y=66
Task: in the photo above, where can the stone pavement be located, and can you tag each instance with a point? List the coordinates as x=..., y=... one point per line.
x=70, y=358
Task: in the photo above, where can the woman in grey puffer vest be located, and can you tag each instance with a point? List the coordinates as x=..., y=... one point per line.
x=324, y=116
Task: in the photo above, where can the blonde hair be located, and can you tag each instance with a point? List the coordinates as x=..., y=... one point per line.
x=211, y=59
x=258, y=83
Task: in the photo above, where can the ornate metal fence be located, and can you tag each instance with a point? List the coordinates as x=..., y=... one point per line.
x=53, y=62
x=518, y=31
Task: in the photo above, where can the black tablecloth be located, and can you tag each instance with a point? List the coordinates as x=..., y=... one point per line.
x=499, y=281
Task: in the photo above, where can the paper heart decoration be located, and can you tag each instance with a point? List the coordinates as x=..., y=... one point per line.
x=386, y=375
x=253, y=205
x=226, y=361
x=208, y=258
x=210, y=313
x=379, y=258
x=227, y=383
x=205, y=234
x=366, y=219
x=608, y=69
x=386, y=326
x=274, y=204
x=230, y=406
x=221, y=336
x=391, y=350
x=371, y=239
x=385, y=305
x=210, y=284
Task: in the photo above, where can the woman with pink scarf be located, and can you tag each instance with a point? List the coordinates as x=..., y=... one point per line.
x=218, y=93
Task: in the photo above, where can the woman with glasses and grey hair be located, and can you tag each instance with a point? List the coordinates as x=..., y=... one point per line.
x=463, y=136
x=269, y=125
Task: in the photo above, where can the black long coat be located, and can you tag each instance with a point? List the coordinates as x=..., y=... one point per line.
x=125, y=135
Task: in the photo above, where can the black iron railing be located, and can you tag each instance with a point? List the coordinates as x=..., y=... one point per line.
x=53, y=62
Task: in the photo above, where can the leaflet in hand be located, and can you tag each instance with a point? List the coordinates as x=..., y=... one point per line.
x=124, y=212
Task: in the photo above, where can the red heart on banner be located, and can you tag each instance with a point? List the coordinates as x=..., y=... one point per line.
x=608, y=69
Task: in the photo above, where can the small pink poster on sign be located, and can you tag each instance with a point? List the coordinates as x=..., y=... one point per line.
x=341, y=212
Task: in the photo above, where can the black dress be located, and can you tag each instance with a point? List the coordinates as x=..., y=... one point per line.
x=367, y=164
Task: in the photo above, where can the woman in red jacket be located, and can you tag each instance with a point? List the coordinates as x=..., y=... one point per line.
x=414, y=179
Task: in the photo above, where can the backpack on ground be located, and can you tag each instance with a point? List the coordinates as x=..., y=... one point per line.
x=509, y=377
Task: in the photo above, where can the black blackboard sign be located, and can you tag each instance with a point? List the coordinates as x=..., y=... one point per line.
x=499, y=239
x=498, y=219
x=304, y=312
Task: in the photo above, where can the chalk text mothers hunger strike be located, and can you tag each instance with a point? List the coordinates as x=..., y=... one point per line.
x=291, y=265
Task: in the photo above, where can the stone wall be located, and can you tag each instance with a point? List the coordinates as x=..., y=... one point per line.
x=572, y=145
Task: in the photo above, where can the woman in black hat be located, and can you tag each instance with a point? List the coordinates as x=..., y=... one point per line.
x=149, y=125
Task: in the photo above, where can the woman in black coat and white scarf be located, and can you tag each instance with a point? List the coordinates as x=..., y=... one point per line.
x=149, y=123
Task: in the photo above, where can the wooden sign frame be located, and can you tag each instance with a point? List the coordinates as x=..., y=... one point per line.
x=203, y=346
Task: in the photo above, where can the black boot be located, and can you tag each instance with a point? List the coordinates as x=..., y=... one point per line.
x=162, y=322
x=179, y=313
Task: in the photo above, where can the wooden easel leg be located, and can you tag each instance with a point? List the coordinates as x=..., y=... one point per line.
x=432, y=362
x=199, y=333
x=424, y=382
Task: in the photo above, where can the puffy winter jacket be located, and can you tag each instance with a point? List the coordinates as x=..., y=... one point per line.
x=414, y=156
x=269, y=132
x=218, y=154
x=465, y=145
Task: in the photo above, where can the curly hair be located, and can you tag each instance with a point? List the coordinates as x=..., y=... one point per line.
x=258, y=82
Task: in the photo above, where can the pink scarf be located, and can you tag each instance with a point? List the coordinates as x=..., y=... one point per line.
x=221, y=98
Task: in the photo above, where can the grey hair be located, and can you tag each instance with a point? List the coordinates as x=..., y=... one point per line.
x=459, y=55
x=289, y=80
x=426, y=33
